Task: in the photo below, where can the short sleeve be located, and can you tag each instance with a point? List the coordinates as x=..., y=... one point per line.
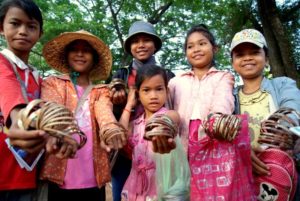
x=10, y=89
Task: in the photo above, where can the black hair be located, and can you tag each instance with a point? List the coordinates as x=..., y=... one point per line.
x=28, y=6
x=148, y=71
x=94, y=52
x=203, y=29
x=155, y=39
x=266, y=50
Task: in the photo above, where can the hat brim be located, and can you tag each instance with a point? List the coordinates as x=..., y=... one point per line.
x=54, y=54
x=246, y=41
x=157, y=41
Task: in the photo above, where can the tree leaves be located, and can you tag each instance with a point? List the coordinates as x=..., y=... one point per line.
x=111, y=19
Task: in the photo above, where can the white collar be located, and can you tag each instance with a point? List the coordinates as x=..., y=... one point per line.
x=14, y=59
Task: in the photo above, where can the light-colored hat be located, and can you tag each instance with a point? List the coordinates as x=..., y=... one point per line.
x=248, y=36
x=145, y=28
x=54, y=53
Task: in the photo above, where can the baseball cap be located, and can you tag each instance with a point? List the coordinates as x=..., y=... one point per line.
x=248, y=36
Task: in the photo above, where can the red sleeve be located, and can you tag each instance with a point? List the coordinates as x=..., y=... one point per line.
x=10, y=88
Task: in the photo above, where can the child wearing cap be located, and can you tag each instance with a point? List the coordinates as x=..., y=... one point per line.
x=84, y=58
x=258, y=97
x=141, y=43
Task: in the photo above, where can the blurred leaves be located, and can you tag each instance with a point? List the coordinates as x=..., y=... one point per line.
x=111, y=19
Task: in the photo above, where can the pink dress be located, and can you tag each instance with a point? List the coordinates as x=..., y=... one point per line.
x=141, y=183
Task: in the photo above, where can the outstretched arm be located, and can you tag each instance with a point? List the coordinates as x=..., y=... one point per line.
x=163, y=144
x=31, y=141
x=11, y=101
x=50, y=92
x=105, y=117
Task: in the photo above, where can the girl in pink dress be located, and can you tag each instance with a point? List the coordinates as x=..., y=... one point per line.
x=151, y=84
x=195, y=94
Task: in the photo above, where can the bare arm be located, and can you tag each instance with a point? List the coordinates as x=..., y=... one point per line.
x=172, y=114
x=131, y=102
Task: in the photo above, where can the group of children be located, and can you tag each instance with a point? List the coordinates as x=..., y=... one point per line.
x=73, y=174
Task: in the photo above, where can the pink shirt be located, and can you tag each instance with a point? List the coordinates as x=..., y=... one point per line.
x=80, y=170
x=141, y=183
x=195, y=99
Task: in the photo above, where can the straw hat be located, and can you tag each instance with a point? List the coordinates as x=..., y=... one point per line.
x=141, y=27
x=54, y=53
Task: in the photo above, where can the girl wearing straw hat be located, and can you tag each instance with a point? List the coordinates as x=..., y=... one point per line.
x=84, y=58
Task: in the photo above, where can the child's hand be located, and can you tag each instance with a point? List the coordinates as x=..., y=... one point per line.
x=162, y=144
x=31, y=141
x=63, y=150
x=116, y=142
x=258, y=166
x=118, y=97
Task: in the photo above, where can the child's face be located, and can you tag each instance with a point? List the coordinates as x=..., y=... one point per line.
x=142, y=47
x=21, y=32
x=80, y=56
x=249, y=60
x=199, y=51
x=153, y=93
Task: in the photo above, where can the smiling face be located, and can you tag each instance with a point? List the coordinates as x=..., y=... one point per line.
x=21, y=32
x=199, y=51
x=249, y=60
x=80, y=56
x=142, y=47
x=153, y=94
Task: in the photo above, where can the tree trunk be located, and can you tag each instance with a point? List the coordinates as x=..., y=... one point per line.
x=280, y=50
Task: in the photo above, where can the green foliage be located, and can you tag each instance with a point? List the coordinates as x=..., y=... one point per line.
x=111, y=19
x=290, y=15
